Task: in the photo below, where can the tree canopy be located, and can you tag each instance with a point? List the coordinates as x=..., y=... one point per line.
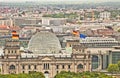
x=62, y=15
x=31, y=75
x=113, y=68
x=118, y=30
x=65, y=74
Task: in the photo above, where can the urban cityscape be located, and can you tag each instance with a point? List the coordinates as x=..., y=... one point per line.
x=60, y=39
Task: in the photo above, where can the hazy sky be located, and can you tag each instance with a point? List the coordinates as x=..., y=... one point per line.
x=61, y=0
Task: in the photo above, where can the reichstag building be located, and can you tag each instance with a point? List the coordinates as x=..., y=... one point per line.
x=44, y=55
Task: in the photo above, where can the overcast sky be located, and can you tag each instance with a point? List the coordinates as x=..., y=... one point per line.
x=61, y=0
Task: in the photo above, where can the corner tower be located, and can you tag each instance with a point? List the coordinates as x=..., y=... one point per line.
x=82, y=57
x=11, y=57
x=12, y=47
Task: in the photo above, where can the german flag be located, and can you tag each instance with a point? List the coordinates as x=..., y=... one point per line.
x=75, y=32
x=15, y=36
x=14, y=32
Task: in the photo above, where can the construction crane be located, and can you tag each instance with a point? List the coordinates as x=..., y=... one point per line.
x=93, y=19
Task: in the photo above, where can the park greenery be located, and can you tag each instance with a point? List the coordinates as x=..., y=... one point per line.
x=72, y=15
x=31, y=75
x=65, y=74
x=62, y=74
x=114, y=14
x=62, y=15
x=114, y=68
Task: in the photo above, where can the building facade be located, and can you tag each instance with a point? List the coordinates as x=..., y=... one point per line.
x=6, y=21
x=14, y=62
x=99, y=42
x=54, y=21
x=114, y=55
x=101, y=49
x=105, y=15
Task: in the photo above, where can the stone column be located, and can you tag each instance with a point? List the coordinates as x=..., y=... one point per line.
x=110, y=57
x=100, y=62
x=2, y=69
x=52, y=69
x=75, y=67
x=105, y=61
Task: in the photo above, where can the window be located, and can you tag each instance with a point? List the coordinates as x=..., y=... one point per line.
x=9, y=51
x=29, y=72
x=15, y=51
x=68, y=66
x=57, y=67
x=12, y=51
x=46, y=66
x=63, y=66
x=89, y=56
x=12, y=67
x=29, y=67
x=57, y=72
x=95, y=60
x=80, y=66
x=23, y=71
x=23, y=67
x=115, y=57
x=35, y=66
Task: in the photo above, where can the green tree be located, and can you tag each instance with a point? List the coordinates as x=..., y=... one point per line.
x=3, y=76
x=118, y=65
x=113, y=68
x=36, y=75
x=114, y=13
x=23, y=75
x=62, y=15
x=64, y=74
x=118, y=30
x=31, y=75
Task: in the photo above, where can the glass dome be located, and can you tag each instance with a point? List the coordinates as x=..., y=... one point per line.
x=44, y=43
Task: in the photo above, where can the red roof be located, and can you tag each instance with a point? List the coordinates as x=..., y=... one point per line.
x=4, y=27
x=16, y=28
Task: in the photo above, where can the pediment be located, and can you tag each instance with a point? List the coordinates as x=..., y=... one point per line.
x=47, y=59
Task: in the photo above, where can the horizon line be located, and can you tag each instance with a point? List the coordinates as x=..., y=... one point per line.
x=57, y=1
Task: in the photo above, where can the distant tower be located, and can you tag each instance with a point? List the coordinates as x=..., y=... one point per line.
x=10, y=60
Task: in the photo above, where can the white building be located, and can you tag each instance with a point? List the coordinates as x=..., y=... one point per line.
x=6, y=21
x=54, y=21
x=99, y=42
x=105, y=15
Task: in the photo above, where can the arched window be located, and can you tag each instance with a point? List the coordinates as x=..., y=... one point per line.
x=46, y=72
x=95, y=61
x=12, y=67
x=80, y=66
